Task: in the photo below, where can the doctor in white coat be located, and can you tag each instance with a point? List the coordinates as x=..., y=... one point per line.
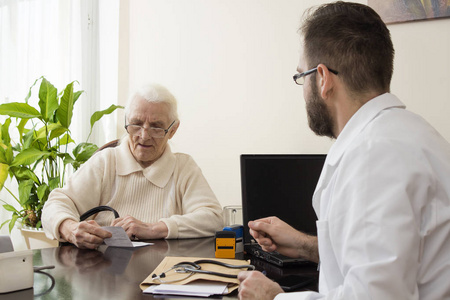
x=383, y=198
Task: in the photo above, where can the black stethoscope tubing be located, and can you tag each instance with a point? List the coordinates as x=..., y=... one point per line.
x=196, y=268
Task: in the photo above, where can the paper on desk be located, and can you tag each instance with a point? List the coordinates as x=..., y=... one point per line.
x=198, y=288
x=120, y=238
x=170, y=261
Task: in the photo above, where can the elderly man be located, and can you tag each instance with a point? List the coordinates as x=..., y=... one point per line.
x=383, y=198
x=160, y=194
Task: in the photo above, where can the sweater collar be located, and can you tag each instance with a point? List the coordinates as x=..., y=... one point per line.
x=157, y=173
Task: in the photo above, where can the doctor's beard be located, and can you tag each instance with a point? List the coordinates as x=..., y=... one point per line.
x=319, y=118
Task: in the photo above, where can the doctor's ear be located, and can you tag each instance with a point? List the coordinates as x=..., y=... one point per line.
x=326, y=81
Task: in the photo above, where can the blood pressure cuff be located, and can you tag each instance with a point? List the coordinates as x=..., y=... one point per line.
x=96, y=210
x=92, y=212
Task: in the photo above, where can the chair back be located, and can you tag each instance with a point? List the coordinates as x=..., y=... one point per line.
x=111, y=144
x=6, y=244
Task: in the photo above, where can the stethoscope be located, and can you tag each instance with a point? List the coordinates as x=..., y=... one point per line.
x=191, y=268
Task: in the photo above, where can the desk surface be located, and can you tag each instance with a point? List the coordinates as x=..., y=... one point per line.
x=115, y=273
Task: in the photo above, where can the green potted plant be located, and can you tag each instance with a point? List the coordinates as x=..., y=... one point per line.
x=35, y=148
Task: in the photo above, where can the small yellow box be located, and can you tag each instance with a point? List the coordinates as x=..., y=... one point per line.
x=225, y=244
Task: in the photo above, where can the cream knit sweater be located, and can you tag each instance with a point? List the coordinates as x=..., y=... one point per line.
x=172, y=190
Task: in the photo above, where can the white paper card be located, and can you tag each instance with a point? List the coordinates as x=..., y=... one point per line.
x=120, y=238
x=197, y=288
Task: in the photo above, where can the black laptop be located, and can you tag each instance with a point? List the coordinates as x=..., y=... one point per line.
x=279, y=185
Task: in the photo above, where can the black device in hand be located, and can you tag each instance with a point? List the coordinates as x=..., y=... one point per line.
x=292, y=283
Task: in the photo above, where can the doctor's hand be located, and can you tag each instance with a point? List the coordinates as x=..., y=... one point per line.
x=274, y=234
x=137, y=229
x=255, y=286
x=84, y=235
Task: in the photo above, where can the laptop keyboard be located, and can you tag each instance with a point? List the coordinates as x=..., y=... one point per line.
x=274, y=257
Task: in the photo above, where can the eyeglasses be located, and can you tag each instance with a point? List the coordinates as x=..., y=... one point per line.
x=299, y=78
x=154, y=132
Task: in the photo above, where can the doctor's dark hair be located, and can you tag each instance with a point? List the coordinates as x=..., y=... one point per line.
x=352, y=39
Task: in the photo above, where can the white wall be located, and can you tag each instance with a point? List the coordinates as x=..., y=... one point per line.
x=230, y=64
x=422, y=69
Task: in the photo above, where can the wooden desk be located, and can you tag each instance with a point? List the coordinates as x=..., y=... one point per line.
x=115, y=273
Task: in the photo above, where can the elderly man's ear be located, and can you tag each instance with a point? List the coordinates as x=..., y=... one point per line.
x=174, y=129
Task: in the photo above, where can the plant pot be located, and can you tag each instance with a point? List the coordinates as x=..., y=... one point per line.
x=35, y=238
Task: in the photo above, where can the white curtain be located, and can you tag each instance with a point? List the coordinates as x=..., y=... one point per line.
x=60, y=40
x=38, y=37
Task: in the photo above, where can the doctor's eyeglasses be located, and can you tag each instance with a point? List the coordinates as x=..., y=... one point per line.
x=154, y=132
x=299, y=78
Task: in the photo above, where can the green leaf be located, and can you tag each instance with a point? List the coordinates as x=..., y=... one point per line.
x=3, y=224
x=23, y=173
x=28, y=156
x=67, y=159
x=9, y=155
x=32, y=200
x=77, y=95
x=4, y=168
x=10, y=208
x=57, y=132
x=43, y=191
x=76, y=165
x=21, y=126
x=19, y=110
x=6, y=156
x=3, y=156
x=99, y=114
x=66, y=139
x=28, y=138
x=13, y=222
x=5, y=132
x=65, y=111
x=53, y=183
x=48, y=100
x=29, y=91
x=53, y=153
x=43, y=132
x=25, y=190
x=83, y=151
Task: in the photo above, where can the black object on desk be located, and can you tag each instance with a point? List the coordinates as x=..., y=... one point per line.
x=307, y=275
x=280, y=185
x=293, y=283
x=92, y=212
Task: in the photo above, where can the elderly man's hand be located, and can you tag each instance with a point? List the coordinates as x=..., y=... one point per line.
x=84, y=235
x=255, y=286
x=137, y=229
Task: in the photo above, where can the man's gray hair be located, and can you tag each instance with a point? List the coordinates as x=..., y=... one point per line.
x=155, y=93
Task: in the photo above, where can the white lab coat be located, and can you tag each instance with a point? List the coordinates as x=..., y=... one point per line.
x=383, y=204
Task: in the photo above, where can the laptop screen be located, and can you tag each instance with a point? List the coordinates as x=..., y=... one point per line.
x=280, y=185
